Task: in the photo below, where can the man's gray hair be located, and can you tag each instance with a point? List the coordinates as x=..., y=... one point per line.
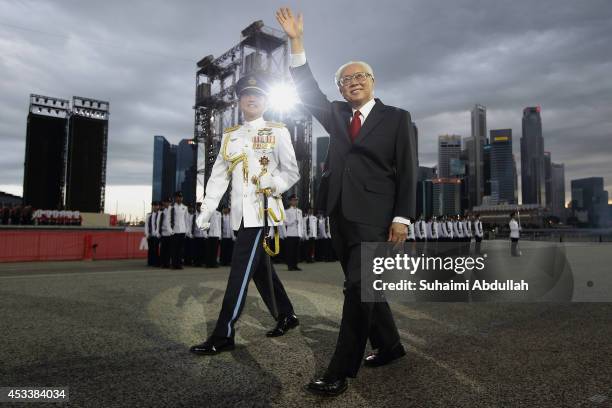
x=367, y=67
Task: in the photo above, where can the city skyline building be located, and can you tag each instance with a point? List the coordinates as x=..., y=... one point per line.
x=533, y=190
x=475, y=146
x=588, y=194
x=502, y=166
x=164, y=168
x=557, y=207
x=449, y=148
x=186, y=170
x=446, y=196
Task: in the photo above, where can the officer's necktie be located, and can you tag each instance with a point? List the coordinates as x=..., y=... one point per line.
x=355, y=125
x=150, y=224
x=161, y=220
x=193, y=223
x=308, y=227
x=172, y=218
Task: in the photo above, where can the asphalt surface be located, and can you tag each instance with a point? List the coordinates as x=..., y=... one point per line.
x=117, y=333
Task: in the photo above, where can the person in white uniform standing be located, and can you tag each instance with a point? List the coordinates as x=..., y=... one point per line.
x=257, y=158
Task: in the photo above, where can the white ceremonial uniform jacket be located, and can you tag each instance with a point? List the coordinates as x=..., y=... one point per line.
x=468, y=228
x=163, y=223
x=294, y=222
x=478, y=228
x=181, y=218
x=242, y=148
x=514, y=229
x=458, y=228
x=410, y=232
x=227, y=232
x=198, y=232
x=215, y=225
x=151, y=224
x=449, y=230
x=435, y=230
x=321, y=228
x=310, y=227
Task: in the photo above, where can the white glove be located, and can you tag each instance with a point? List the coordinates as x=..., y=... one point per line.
x=266, y=181
x=200, y=223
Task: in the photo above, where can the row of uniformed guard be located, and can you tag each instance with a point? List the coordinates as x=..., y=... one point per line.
x=174, y=239
x=458, y=231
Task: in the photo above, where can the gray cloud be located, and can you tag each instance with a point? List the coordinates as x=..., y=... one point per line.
x=436, y=59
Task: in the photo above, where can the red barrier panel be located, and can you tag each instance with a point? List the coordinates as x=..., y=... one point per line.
x=32, y=245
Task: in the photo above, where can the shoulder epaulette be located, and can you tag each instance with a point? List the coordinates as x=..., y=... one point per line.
x=276, y=124
x=231, y=129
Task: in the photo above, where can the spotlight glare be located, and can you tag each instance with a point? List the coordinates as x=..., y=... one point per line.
x=282, y=97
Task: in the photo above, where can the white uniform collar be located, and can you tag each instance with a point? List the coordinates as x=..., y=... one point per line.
x=365, y=109
x=257, y=123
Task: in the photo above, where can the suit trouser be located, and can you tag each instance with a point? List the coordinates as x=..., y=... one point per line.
x=227, y=245
x=248, y=262
x=178, y=248
x=199, y=246
x=165, y=250
x=477, y=245
x=152, y=253
x=514, y=247
x=292, y=244
x=360, y=320
x=189, y=254
x=212, y=248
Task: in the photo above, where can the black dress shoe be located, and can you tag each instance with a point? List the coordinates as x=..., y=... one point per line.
x=327, y=387
x=384, y=356
x=283, y=325
x=213, y=345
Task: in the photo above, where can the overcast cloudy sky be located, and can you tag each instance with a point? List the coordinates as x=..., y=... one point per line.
x=433, y=58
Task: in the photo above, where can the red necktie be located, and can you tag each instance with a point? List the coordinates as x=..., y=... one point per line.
x=355, y=125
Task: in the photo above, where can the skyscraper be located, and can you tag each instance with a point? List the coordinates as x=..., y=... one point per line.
x=416, y=140
x=558, y=190
x=164, y=168
x=424, y=197
x=532, y=158
x=548, y=180
x=449, y=147
x=186, y=173
x=502, y=166
x=475, y=148
x=446, y=196
x=589, y=194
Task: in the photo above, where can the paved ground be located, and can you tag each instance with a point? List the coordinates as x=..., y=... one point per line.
x=117, y=334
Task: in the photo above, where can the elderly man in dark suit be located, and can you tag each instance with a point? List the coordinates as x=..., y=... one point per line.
x=370, y=190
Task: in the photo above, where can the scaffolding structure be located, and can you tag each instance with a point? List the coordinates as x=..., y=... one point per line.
x=261, y=50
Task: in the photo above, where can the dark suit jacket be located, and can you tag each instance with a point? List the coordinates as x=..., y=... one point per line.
x=375, y=177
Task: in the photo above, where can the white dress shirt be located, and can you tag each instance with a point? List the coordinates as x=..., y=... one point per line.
x=181, y=218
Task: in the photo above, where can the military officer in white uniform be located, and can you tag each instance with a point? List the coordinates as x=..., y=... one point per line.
x=294, y=227
x=478, y=234
x=256, y=156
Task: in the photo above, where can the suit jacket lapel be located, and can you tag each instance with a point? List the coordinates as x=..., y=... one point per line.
x=372, y=120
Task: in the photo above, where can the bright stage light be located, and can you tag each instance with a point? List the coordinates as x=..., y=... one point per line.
x=282, y=97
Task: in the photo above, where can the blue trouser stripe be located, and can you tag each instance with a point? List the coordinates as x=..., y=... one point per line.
x=245, y=281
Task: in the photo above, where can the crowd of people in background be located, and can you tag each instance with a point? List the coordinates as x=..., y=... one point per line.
x=175, y=241
x=27, y=215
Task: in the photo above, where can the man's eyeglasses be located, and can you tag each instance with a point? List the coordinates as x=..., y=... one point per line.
x=360, y=77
